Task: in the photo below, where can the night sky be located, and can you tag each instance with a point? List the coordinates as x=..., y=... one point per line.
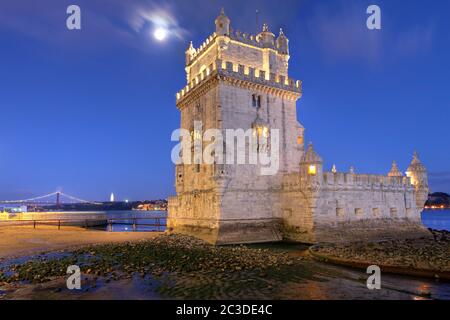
x=91, y=111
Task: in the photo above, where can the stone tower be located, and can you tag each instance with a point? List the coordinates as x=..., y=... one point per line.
x=236, y=81
x=240, y=83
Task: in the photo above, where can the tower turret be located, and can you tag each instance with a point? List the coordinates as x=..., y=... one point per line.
x=282, y=43
x=419, y=179
x=395, y=172
x=222, y=24
x=311, y=163
x=189, y=53
x=266, y=37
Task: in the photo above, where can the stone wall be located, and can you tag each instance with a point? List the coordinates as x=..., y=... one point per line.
x=346, y=207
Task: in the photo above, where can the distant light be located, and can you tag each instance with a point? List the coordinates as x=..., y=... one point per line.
x=160, y=34
x=126, y=201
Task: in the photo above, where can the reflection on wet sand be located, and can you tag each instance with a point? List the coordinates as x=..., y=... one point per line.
x=307, y=280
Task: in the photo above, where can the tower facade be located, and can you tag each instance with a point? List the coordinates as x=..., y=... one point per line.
x=238, y=87
x=236, y=81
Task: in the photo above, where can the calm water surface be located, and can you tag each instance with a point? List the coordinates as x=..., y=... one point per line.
x=437, y=219
x=434, y=219
x=123, y=220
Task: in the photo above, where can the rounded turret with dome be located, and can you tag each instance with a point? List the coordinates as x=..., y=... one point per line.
x=419, y=179
x=282, y=43
x=190, y=52
x=266, y=38
x=311, y=163
x=395, y=172
x=222, y=24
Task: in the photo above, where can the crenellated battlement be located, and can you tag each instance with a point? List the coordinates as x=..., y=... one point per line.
x=203, y=47
x=250, y=39
x=242, y=37
x=244, y=73
x=351, y=180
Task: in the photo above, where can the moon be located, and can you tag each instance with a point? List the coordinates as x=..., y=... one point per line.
x=160, y=34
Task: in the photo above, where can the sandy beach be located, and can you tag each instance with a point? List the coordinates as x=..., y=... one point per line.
x=24, y=240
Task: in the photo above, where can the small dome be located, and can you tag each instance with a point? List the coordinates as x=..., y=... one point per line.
x=266, y=37
x=311, y=156
x=416, y=165
x=282, y=43
x=395, y=172
x=222, y=24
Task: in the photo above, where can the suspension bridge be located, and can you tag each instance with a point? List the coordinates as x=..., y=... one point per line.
x=57, y=198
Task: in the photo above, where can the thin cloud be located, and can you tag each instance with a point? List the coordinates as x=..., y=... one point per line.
x=341, y=33
x=116, y=23
x=414, y=41
x=157, y=16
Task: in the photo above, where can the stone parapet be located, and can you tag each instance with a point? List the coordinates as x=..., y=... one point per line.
x=242, y=73
x=238, y=36
x=340, y=181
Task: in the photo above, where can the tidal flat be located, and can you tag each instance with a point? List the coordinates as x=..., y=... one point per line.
x=181, y=267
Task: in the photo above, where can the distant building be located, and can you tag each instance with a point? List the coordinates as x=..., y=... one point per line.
x=111, y=199
x=13, y=209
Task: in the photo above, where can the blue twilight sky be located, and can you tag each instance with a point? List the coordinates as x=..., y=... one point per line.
x=92, y=111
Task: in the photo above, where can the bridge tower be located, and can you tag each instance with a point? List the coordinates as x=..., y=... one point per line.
x=58, y=194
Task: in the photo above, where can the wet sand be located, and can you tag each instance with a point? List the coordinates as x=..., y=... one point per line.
x=24, y=240
x=310, y=279
x=328, y=283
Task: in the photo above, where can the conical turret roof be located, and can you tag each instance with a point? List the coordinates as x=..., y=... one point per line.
x=311, y=155
x=395, y=172
x=416, y=165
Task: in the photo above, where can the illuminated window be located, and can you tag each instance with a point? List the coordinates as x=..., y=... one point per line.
x=261, y=137
x=312, y=170
x=300, y=140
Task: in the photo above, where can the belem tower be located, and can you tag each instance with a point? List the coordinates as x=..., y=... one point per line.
x=236, y=80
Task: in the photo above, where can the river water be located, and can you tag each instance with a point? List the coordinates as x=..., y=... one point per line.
x=123, y=221
x=433, y=219
x=437, y=219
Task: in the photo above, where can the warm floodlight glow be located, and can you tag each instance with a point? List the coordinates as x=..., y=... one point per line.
x=312, y=170
x=160, y=34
